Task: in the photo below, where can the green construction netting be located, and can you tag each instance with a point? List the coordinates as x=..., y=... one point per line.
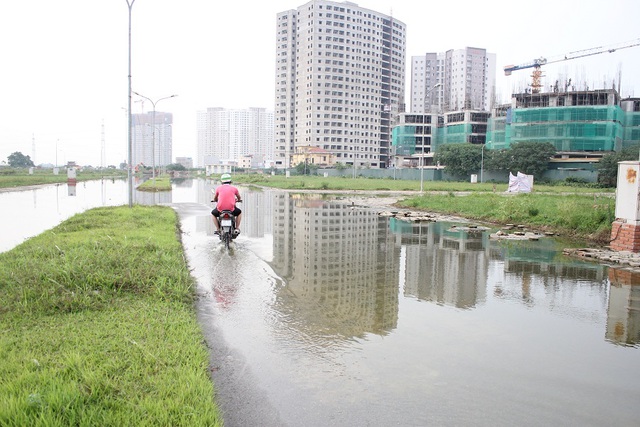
x=403, y=138
x=631, y=128
x=586, y=128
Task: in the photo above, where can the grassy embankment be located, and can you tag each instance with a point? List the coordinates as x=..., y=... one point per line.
x=580, y=212
x=154, y=185
x=20, y=177
x=98, y=326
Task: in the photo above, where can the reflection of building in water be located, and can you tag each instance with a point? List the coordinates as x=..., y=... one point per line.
x=623, y=321
x=341, y=264
x=540, y=274
x=445, y=265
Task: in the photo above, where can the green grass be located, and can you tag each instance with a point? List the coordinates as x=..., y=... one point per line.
x=10, y=178
x=157, y=184
x=387, y=184
x=579, y=211
x=98, y=326
x=573, y=215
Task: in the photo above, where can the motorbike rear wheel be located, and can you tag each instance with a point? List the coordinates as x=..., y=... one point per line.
x=227, y=239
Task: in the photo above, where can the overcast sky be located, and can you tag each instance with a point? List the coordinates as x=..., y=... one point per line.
x=63, y=72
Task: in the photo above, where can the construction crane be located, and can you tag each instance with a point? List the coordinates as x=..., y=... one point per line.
x=536, y=64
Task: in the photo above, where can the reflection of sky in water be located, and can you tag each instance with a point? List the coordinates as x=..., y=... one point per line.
x=28, y=213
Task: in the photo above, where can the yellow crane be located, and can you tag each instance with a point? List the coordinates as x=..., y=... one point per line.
x=536, y=64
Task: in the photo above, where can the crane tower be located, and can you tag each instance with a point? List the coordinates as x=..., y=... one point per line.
x=537, y=64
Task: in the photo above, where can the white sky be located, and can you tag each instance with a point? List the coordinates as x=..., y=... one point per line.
x=63, y=69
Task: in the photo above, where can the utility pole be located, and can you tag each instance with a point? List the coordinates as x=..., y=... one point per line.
x=130, y=145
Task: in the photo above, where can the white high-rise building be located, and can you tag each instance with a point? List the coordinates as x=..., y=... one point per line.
x=340, y=80
x=224, y=135
x=455, y=80
x=151, y=139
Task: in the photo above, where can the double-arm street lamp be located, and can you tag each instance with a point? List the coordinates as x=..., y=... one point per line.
x=424, y=129
x=153, y=130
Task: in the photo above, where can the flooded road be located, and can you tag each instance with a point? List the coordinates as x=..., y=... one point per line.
x=329, y=314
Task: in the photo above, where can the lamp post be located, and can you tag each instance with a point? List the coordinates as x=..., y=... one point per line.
x=130, y=145
x=153, y=130
x=482, y=163
x=424, y=127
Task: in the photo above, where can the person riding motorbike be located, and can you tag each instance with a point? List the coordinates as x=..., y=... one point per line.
x=226, y=196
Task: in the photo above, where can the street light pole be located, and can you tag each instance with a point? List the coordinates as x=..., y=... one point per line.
x=482, y=163
x=130, y=145
x=153, y=130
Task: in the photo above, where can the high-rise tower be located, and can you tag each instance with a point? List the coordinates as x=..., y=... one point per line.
x=340, y=75
x=460, y=79
x=225, y=135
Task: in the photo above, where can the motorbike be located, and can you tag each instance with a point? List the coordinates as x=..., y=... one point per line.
x=227, y=227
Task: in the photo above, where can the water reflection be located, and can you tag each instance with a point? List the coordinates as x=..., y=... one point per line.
x=31, y=211
x=340, y=265
x=623, y=320
x=345, y=269
x=443, y=264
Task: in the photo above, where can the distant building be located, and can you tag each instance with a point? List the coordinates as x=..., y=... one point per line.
x=313, y=156
x=251, y=161
x=453, y=80
x=151, y=139
x=340, y=79
x=416, y=137
x=225, y=135
x=187, y=162
x=218, y=169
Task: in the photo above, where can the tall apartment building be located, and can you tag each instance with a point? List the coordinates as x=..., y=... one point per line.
x=454, y=80
x=152, y=139
x=224, y=135
x=340, y=75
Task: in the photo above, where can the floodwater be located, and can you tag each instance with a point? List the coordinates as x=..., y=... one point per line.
x=326, y=314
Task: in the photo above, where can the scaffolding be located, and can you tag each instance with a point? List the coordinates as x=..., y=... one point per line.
x=568, y=129
x=403, y=139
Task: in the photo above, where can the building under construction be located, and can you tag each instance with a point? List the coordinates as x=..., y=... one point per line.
x=416, y=137
x=581, y=125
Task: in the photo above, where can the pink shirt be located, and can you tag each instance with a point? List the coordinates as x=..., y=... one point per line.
x=226, y=196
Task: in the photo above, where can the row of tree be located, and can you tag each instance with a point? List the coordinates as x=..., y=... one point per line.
x=531, y=158
x=19, y=160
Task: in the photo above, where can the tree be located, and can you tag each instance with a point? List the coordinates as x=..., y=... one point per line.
x=460, y=159
x=608, y=165
x=19, y=160
x=306, y=168
x=531, y=158
x=176, y=167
